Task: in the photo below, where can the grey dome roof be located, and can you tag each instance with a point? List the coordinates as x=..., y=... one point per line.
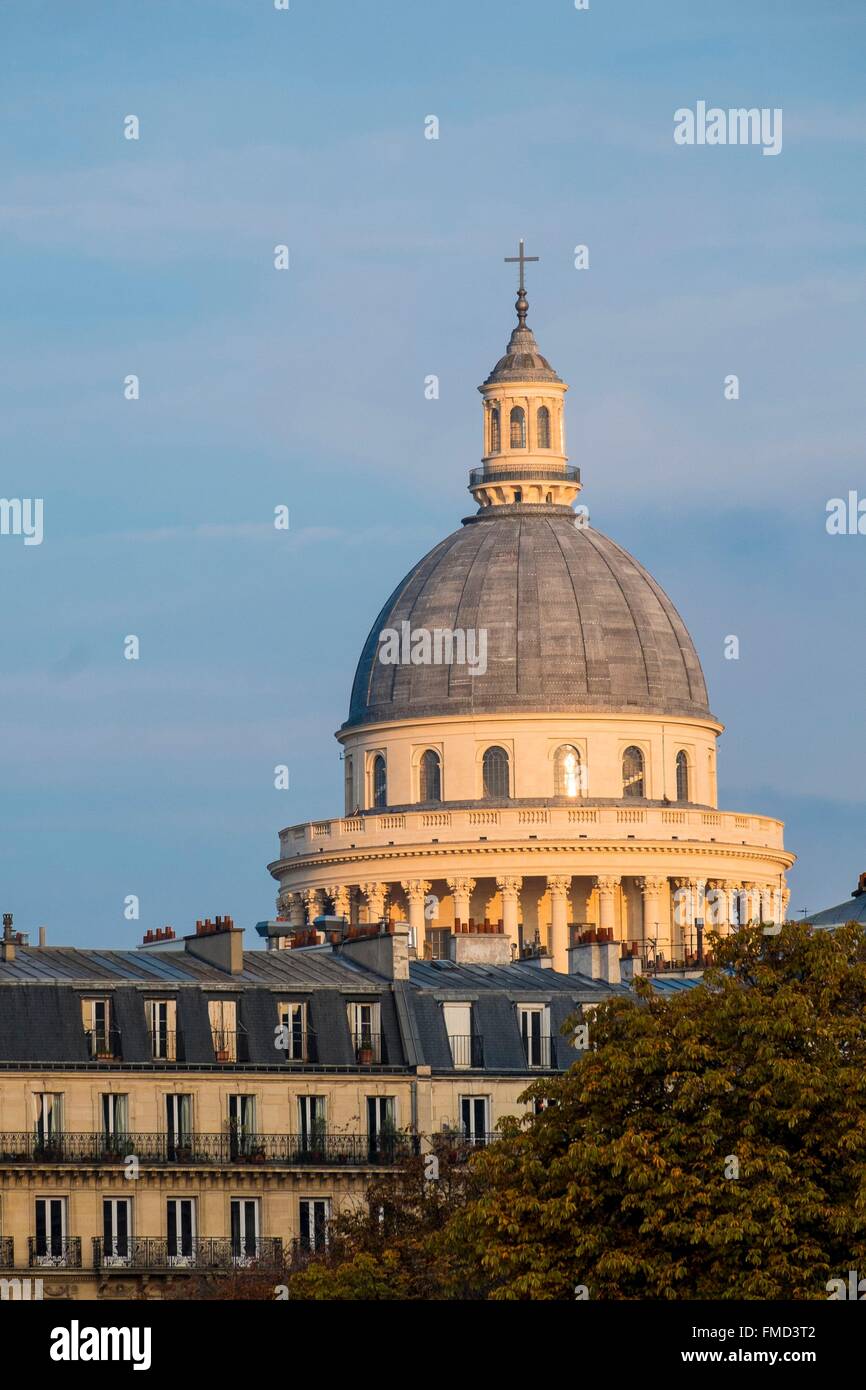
x=574, y=624
x=522, y=361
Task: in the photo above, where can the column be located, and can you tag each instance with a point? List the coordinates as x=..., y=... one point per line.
x=607, y=885
x=416, y=890
x=375, y=895
x=652, y=887
x=509, y=889
x=558, y=888
x=750, y=903
x=461, y=893
x=339, y=895
x=718, y=914
x=313, y=903
x=295, y=908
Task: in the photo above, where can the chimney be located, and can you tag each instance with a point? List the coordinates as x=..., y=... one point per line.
x=43, y=938
x=385, y=952
x=7, y=949
x=598, y=960
x=219, y=943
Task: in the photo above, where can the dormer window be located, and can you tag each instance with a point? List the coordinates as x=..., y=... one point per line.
x=518, y=427
x=100, y=1035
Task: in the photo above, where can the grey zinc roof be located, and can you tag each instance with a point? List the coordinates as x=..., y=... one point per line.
x=65, y=964
x=852, y=910
x=574, y=623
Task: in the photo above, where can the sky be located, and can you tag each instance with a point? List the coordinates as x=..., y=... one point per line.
x=304, y=388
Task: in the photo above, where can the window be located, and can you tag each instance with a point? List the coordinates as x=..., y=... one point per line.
x=246, y=1229
x=366, y=1038
x=50, y=1247
x=495, y=432
x=178, y=1123
x=543, y=423
x=518, y=427
x=348, y=784
x=295, y=1036
x=161, y=1016
x=312, y=1122
x=223, y=1015
x=567, y=771
x=242, y=1125
x=431, y=776
x=381, y=1128
x=315, y=1215
x=495, y=773
x=96, y=1017
x=49, y=1119
x=475, y=1119
x=115, y=1117
x=535, y=1034
x=181, y=1226
x=465, y=1047
x=682, y=776
x=380, y=781
x=116, y=1230
x=632, y=772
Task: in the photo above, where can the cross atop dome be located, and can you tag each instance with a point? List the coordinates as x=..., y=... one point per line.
x=522, y=305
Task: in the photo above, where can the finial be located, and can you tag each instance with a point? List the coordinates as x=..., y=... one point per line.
x=522, y=303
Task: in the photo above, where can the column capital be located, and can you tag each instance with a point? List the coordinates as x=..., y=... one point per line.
x=559, y=884
x=510, y=884
x=339, y=895
x=652, y=883
x=461, y=883
x=606, y=883
x=415, y=887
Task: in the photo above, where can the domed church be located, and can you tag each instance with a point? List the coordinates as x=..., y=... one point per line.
x=529, y=749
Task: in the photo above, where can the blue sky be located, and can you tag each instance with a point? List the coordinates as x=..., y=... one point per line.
x=305, y=388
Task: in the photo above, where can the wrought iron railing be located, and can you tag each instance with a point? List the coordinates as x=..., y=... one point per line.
x=369, y=1049
x=293, y=1150
x=7, y=1252
x=467, y=1050
x=190, y=1252
x=56, y=1254
x=303, y=1047
x=103, y=1044
x=230, y=1045
x=492, y=473
x=538, y=1051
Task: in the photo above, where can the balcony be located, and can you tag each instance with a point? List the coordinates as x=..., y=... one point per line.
x=467, y=1051
x=192, y=1252
x=231, y=1045
x=54, y=1254
x=7, y=1252
x=369, y=1049
x=538, y=1052
x=103, y=1044
x=514, y=473
x=214, y=1150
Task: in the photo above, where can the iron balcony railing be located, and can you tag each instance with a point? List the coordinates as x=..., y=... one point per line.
x=508, y=473
x=103, y=1044
x=302, y=1047
x=230, y=1045
x=55, y=1254
x=7, y=1252
x=369, y=1049
x=467, y=1050
x=190, y=1252
x=281, y=1150
x=538, y=1051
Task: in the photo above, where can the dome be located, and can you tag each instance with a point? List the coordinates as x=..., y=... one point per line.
x=574, y=625
x=522, y=361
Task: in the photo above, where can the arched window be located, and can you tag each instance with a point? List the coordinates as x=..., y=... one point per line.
x=567, y=772
x=431, y=776
x=380, y=781
x=348, y=784
x=495, y=768
x=682, y=776
x=632, y=772
x=495, y=434
x=543, y=422
x=518, y=427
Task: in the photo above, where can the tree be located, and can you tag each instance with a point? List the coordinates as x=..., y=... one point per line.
x=709, y=1145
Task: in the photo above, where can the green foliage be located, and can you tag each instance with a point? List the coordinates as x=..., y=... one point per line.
x=623, y=1183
